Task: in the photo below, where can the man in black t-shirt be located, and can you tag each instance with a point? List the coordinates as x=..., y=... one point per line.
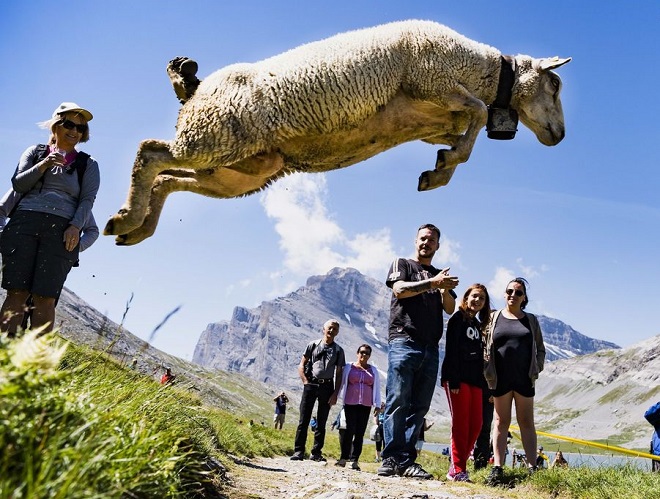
x=420, y=294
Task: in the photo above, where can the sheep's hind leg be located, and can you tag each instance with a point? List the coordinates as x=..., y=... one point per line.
x=153, y=156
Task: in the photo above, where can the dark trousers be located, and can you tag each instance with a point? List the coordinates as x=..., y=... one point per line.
x=482, y=446
x=312, y=393
x=357, y=419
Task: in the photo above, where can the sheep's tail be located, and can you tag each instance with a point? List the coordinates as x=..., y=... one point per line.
x=182, y=71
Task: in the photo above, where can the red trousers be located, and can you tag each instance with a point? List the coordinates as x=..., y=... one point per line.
x=465, y=407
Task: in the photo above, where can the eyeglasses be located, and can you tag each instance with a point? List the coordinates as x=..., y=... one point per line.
x=516, y=292
x=70, y=125
x=364, y=352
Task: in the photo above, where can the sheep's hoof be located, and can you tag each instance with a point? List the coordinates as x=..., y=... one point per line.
x=432, y=179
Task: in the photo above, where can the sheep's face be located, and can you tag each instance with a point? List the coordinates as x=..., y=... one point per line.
x=536, y=98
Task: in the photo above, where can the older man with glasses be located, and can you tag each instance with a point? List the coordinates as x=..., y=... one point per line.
x=320, y=370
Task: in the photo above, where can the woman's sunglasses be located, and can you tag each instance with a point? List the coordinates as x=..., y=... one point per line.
x=70, y=125
x=364, y=352
x=516, y=292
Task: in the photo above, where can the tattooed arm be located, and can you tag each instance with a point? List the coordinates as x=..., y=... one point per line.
x=442, y=281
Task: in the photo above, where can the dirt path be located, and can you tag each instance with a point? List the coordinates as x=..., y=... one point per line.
x=280, y=478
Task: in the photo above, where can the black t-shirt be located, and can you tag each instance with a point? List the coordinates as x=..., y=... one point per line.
x=418, y=317
x=512, y=339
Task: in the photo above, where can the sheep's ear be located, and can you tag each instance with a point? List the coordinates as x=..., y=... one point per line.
x=551, y=63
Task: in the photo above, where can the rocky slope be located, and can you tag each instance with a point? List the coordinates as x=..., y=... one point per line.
x=602, y=395
x=82, y=324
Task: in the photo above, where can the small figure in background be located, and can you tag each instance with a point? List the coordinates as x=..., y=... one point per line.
x=541, y=458
x=560, y=460
x=168, y=377
x=280, y=410
x=420, y=441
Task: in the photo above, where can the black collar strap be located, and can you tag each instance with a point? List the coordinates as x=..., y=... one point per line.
x=505, y=85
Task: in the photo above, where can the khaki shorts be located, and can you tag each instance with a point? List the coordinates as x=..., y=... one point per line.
x=279, y=418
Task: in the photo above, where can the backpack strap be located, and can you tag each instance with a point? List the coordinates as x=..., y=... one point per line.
x=79, y=165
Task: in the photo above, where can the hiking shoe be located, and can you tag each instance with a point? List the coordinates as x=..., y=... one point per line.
x=461, y=476
x=341, y=463
x=388, y=467
x=496, y=476
x=317, y=457
x=355, y=465
x=416, y=471
x=297, y=457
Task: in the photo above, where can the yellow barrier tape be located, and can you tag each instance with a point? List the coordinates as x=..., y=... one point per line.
x=614, y=448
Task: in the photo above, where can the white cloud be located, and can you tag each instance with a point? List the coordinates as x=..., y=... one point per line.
x=528, y=271
x=311, y=240
x=497, y=284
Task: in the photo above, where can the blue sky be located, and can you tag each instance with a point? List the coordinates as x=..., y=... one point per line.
x=580, y=220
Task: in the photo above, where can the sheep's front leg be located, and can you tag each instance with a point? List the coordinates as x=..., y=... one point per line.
x=448, y=159
x=153, y=156
x=164, y=185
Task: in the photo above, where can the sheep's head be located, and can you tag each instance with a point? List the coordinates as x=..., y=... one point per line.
x=536, y=97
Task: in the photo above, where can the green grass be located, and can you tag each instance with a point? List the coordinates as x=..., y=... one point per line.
x=75, y=423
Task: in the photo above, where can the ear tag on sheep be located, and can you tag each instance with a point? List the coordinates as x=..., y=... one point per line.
x=502, y=123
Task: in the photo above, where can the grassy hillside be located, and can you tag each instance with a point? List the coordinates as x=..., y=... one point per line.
x=75, y=423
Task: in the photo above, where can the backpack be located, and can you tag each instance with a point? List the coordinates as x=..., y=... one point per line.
x=652, y=415
x=79, y=165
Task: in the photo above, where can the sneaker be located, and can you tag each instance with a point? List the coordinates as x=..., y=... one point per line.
x=461, y=476
x=496, y=476
x=388, y=467
x=341, y=463
x=317, y=457
x=416, y=471
x=355, y=465
x=297, y=457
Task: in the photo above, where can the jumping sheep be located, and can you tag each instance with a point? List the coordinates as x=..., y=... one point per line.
x=331, y=104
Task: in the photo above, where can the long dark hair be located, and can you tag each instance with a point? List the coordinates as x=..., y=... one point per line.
x=484, y=313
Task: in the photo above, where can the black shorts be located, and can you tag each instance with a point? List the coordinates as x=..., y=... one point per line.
x=34, y=258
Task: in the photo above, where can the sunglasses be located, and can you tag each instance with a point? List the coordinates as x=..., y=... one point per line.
x=364, y=352
x=516, y=292
x=70, y=125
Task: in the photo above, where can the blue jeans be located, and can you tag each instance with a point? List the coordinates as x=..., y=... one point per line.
x=411, y=378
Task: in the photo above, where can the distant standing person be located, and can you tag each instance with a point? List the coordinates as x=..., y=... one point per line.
x=515, y=357
x=41, y=242
x=655, y=450
x=462, y=376
x=422, y=435
x=320, y=370
x=360, y=391
x=280, y=410
x=420, y=293
x=378, y=434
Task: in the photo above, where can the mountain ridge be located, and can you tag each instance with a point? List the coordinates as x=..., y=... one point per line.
x=266, y=342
